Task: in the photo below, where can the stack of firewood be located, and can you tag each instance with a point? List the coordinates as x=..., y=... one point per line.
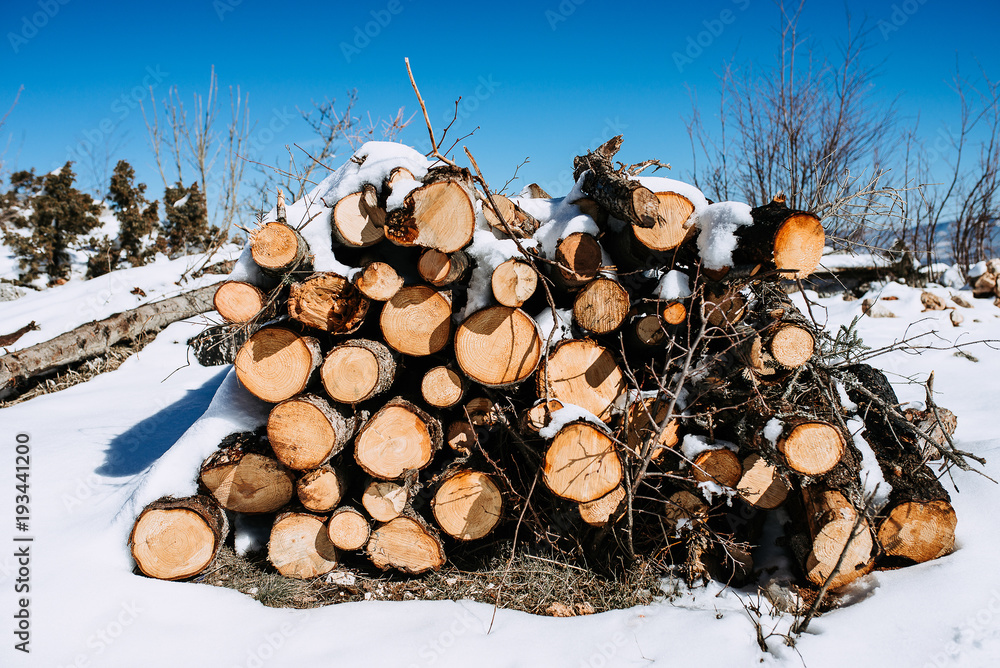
x=666, y=386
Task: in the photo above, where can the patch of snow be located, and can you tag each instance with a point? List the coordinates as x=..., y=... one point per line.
x=773, y=429
x=874, y=482
x=182, y=201
x=694, y=444
x=659, y=184
x=562, y=324
x=674, y=286
x=717, y=227
x=568, y=413
x=400, y=189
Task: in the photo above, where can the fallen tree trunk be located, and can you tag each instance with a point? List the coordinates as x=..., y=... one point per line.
x=96, y=337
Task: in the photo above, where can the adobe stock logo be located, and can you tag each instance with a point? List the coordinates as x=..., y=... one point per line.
x=30, y=25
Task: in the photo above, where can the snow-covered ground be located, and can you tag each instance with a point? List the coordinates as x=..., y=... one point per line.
x=95, y=449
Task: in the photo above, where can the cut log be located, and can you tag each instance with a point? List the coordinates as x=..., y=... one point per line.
x=482, y=412
x=498, y=346
x=357, y=370
x=726, y=307
x=513, y=282
x=670, y=229
x=601, y=306
x=276, y=363
x=442, y=387
x=300, y=547
x=278, y=248
x=539, y=415
x=94, y=338
x=599, y=513
x=781, y=238
x=378, y=281
x=243, y=478
x=761, y=484
x=328, y=302
x=357, y=221
x=674, y=313
x=685, y=506
x=581, y=464
x=720, y=466
x=579, y=257
x=441, y=269
x=348, y=529
x=792, y=346
x=811, y=447
x=460, y=436
x=397, y=175
x=174, y=539
x=306, y=431
x=399, y=438
x=467, y=505
x=417, y=321
x=516, y=221
x=583, y=373
x=642, y=422
x=438, y=214
x=320, y=490
x=919, y=521
x=241, y=302
x=406, y=544
x=385, y=500
x=647, y=330
x=624, y=198
x=831, y=520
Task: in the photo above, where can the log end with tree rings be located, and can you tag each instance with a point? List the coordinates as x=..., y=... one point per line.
x=378, y=281
x=306, y=431
x=513, y=282
x=579, y=257
x=417, y=321
x=442, y=387
x=792, y=346
x=175, y=539
x=399, y=438
x=812, y=448
x=357, y=370
x=356, y=222
x=683, y=506
x=761, y=484
x=328, y=302
x=437, y=215
x=798, y=245
x=669, y=231
x=583, y=373
x=441, y=269
x=300, y=547
x=321, y=489
x=601, y=306
x=720, y=466
x=247, y=482
x=919, y=531
x=276, y=363
x=835, y=531
x=348, y=529
x=581, y=463
x=498, y=346
x=385, y=500
x=468, y=505
x=277, y=247
x=239, y=302
x=674, y=313
x=601, y=511
x=407, y=545
x=506, y=220
x=642, y=427
x=540, y=414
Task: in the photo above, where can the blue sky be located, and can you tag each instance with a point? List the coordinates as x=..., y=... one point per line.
x=542, y=80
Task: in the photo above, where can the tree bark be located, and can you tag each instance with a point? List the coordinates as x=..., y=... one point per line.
x=94, y=338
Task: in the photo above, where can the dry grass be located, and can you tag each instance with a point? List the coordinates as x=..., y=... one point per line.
x=530, y=583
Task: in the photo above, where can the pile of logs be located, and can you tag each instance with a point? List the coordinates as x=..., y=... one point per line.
x=664, y=422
